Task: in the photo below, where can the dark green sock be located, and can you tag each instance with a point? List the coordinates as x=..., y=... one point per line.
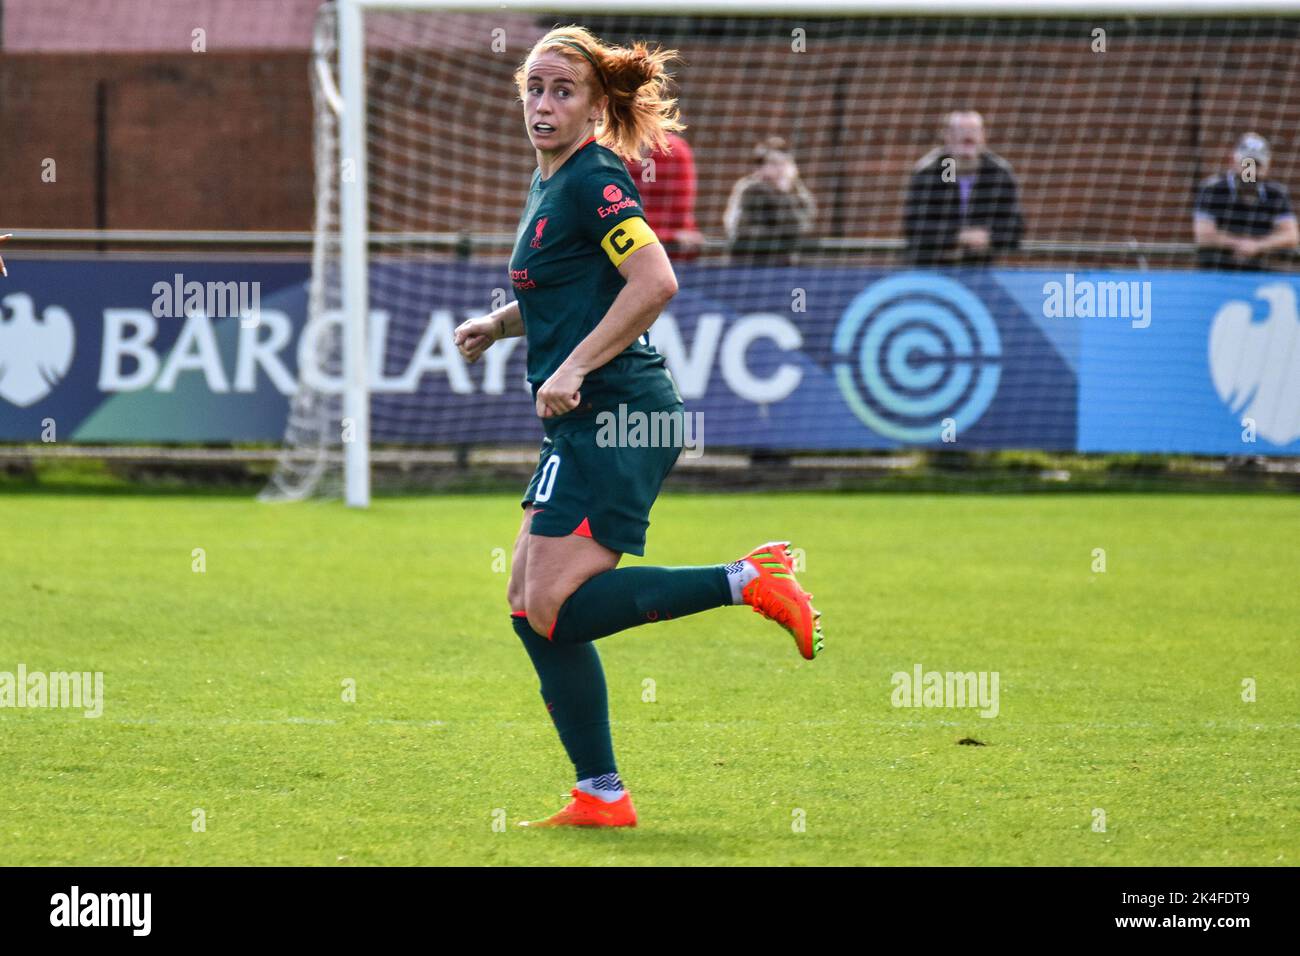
x=573, y=688
x=625, y=597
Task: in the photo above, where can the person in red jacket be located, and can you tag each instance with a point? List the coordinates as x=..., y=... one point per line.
x=666, y=181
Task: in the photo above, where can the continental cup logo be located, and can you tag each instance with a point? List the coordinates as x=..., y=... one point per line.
x=913, y=350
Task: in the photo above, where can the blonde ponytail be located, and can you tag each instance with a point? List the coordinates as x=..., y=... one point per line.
x=640, y=114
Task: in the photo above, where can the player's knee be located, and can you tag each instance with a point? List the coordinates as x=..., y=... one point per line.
x=542, y=602
x=541, y=621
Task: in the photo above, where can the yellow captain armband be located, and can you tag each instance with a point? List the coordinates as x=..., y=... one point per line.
x=626, y=238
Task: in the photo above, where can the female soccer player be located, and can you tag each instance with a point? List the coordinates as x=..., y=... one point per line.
x=590, y=279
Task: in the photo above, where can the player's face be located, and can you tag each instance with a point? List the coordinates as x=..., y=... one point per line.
x=558, y=95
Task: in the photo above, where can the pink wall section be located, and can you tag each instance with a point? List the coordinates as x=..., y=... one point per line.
x=155, y=25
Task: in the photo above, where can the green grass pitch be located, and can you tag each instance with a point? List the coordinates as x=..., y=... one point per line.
x=1121, y=693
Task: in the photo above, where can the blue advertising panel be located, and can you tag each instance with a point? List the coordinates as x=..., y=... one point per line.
x=781, y=357
x=1219, y=373
x=82, y=348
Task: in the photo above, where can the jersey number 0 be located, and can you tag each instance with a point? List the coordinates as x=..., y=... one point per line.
x=547, y=484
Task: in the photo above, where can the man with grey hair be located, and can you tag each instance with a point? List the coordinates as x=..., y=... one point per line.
x=963, y=204
x=1240, y=216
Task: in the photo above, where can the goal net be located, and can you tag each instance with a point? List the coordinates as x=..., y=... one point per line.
x=819, y=308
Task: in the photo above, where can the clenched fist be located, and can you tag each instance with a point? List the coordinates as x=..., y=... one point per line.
x=474, y=336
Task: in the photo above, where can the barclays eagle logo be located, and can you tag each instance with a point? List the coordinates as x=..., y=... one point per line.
x=34, y=353
x=1256, y=365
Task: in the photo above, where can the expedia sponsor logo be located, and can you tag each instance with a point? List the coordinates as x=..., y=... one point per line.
x=520, y=280
x=613, y=208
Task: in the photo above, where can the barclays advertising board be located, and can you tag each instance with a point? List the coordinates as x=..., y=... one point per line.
x=789, y=357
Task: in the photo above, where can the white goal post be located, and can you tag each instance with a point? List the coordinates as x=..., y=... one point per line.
x=354, y=242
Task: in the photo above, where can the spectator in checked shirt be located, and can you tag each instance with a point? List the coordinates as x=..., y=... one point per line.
x=1241, y=217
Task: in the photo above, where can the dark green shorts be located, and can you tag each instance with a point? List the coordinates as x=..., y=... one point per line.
x=602, y=491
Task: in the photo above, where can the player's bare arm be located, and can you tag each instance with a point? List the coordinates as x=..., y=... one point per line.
x=651, y=284
x=1209, y=235
x=473, y=337
x=1285, y=235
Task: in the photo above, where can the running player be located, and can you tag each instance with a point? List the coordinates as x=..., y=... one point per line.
x=590, y=279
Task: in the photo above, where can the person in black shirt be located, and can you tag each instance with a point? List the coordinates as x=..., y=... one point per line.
x=1240, y=216
x=963, y=204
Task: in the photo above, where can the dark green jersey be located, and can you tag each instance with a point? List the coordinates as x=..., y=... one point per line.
x=576, y=229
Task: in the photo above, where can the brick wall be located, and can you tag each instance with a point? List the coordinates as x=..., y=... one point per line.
x=1103, y=147
x=217, y=141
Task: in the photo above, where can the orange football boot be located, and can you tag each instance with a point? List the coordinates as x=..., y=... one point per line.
x=585, y=810
x=776, y=595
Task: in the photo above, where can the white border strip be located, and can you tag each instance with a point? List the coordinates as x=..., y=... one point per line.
x=820, y=8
